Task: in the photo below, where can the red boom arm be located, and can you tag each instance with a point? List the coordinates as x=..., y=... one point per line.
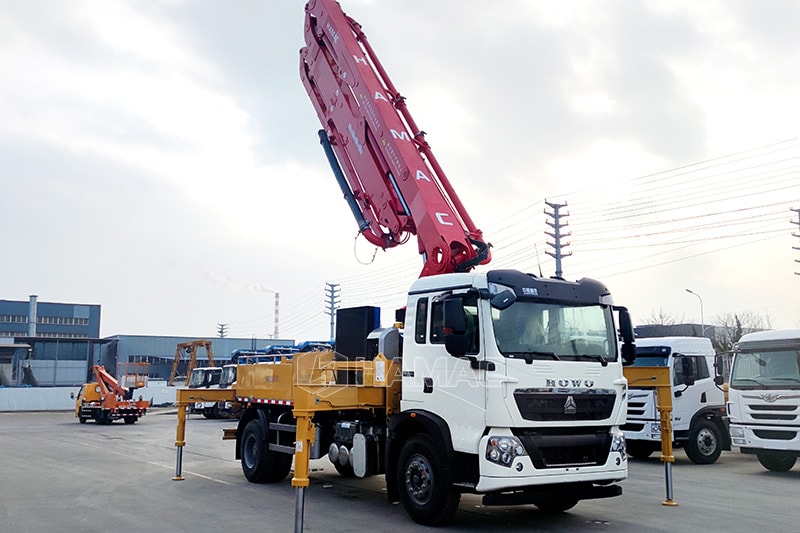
x=394, y=184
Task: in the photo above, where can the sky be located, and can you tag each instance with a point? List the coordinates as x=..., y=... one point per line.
x=161, y=159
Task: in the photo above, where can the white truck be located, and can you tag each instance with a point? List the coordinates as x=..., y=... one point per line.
x=764, y=397
x=698, y=405
x=204, y=377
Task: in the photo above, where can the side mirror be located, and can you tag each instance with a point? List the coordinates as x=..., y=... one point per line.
x=628, y=353
x=454, y=327
x=719, y=380
x=625, y=325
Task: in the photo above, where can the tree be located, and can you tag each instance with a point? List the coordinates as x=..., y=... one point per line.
x=731, y=326
x=661, y=317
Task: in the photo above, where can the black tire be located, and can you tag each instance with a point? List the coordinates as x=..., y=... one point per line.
x=777, y=461
x=556, y=507
x=705, y=443
x=259, y=464
x=130, y=419
x=344, y=470
x=641, y=449
x=208, y=412
x=82, y=419
x=424, y=483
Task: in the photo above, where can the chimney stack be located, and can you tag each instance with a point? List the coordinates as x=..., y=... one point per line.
x=32, y=316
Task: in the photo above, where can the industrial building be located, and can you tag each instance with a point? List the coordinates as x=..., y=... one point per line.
x=56, y=344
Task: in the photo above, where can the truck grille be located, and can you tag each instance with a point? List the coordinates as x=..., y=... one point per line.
x=775, y=413
x=565, y=447
x=774, y=434
x=632, y=427
x=548, y=405
x=636, y=408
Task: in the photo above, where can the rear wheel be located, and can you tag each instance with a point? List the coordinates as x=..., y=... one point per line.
x=259, y=463
x=705, y=443
x=424, y=483
x=130, y=419
x=777, y=461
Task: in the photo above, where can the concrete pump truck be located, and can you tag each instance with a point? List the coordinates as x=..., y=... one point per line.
x=498, y=382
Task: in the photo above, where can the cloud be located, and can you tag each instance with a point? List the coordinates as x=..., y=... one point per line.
x=145, y=144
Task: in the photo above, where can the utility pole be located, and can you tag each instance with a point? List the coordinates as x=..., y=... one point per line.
x=332, y=300
x=796, y=235
x=277, y=307
x=222, y=330
x=556, y=235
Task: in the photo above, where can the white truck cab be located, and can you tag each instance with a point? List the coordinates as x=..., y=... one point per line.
x=764, y=397
x=203, y=378
x=698, y=405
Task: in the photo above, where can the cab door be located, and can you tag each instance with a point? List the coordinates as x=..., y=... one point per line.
x=689, y=395
x=457, y=389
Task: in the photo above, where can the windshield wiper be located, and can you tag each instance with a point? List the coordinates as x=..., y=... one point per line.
x=530, y=356
x=748, y=379
x=781, y=378
x=599, y=358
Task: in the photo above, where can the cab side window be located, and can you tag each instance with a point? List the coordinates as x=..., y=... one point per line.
x=700, y=370
x=421, y=320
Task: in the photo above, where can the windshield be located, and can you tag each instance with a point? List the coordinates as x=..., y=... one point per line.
x=650, y=360
x=535, y=330
x=228, y=376
x=770, y=370
x=197, y=378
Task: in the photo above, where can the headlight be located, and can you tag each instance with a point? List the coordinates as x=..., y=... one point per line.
x=618, y=448
x=503, y=450
x=737, y=432
x=618, y=443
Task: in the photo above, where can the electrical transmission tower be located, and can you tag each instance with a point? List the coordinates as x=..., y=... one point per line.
x=222, y=330
x=796, y=235
x=332, y=301
x=556, y=235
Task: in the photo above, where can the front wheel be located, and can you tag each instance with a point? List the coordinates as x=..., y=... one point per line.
x=424, y=483
x=705, y=443
x=776, y=461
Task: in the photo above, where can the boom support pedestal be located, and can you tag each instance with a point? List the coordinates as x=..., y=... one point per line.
x=658, y=378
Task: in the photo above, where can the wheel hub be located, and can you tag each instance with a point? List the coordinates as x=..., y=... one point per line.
x=418, y=479
x=249, y=451
x=706, y=442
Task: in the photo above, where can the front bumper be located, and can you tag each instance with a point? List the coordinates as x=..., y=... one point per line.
x=785, y=438
x=522, y=472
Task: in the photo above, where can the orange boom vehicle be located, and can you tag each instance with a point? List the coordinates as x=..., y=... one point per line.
x=106, y=400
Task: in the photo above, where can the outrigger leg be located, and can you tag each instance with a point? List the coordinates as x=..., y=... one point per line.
x=304, y=438
x=180, y=442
